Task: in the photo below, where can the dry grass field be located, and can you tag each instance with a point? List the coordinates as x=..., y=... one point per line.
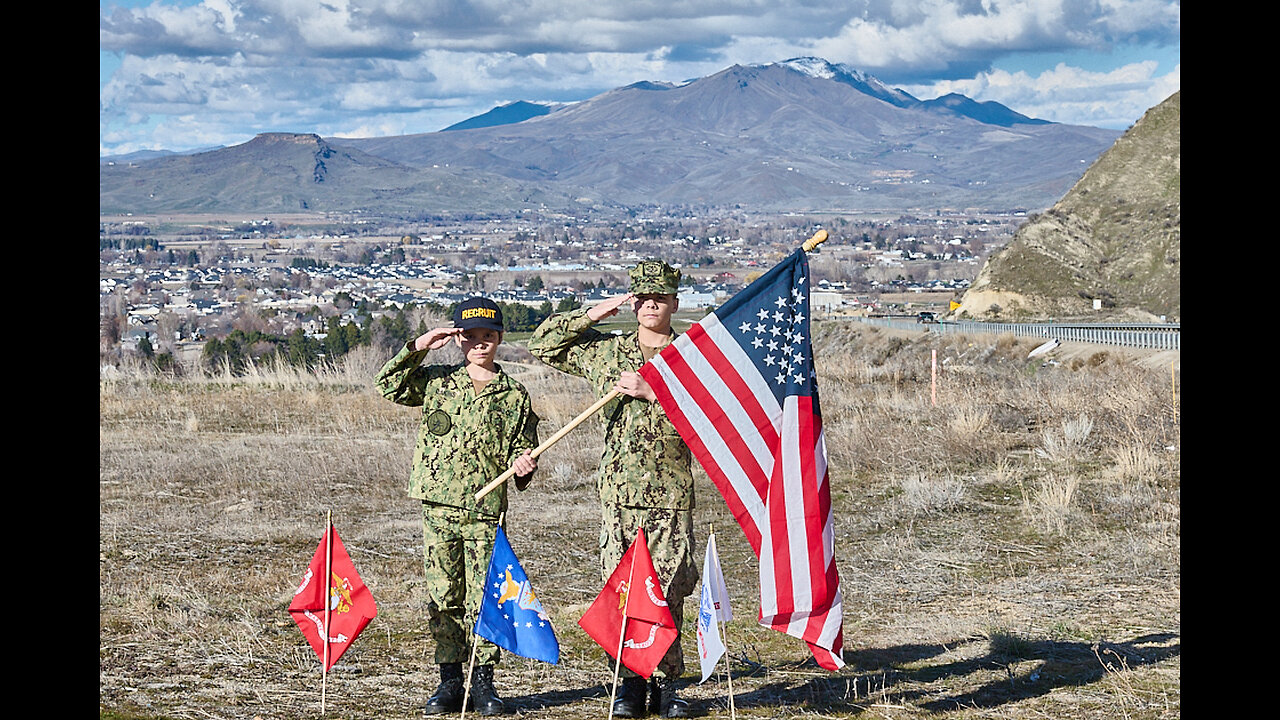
x=1010, y=552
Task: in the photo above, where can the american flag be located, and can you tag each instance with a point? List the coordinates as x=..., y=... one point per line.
x=740, y=388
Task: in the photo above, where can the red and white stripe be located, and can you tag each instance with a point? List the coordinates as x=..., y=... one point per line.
x=769, y=463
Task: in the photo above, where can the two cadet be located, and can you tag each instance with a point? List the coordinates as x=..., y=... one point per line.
x=471, y=431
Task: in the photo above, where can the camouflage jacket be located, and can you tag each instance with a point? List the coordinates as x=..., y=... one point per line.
x=645, y=462
x=465, y=439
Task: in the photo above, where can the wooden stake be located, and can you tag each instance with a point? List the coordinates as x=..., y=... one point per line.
x=622, y=636
x=724, y=634
x=328, y=579
x=933, y=384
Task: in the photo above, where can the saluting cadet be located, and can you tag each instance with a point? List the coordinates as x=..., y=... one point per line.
x=645, y=477
x=476, y=422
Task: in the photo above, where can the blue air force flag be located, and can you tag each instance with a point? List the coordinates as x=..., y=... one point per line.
x=510, y=615
x=713, y=609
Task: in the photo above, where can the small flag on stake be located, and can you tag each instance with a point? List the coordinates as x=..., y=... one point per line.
x=713, y=609
x=350, y=604
x=510, y=614
x=633, y=595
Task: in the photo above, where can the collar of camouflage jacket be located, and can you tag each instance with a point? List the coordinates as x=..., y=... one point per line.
x=500, y=382
x=637, y=352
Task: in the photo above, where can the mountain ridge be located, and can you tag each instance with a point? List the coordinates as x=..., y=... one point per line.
x=799, y=135
x=508, y=114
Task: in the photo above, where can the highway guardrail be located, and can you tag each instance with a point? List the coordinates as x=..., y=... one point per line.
x=1153, y=336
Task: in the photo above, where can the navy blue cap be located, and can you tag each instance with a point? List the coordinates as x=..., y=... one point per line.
x=478, y=312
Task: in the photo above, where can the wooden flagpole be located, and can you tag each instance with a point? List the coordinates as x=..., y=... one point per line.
x=813, y=242
x=728, y=670
x=550, y=441
x=466, y=690
x=724, y=633
x=622, y=636
x=328, y=575
x=475, y=639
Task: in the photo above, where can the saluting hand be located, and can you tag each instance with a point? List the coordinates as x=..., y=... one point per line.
x=435, y=339
x=608, y=307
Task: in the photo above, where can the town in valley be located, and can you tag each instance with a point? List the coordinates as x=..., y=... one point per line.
x=171, y=283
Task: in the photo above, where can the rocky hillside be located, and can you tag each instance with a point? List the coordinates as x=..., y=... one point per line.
x=1114, y=238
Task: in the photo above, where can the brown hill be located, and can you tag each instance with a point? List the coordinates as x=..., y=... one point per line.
x=1113, y=242
x=286, y=172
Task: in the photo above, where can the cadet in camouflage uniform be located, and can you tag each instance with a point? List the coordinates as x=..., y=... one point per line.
x=476, y=422
x=645, y=477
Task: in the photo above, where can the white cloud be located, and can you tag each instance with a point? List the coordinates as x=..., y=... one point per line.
x=1065, y=94
x=262, y=65
x=929, y=37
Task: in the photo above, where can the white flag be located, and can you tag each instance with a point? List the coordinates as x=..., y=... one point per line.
x=713, y=608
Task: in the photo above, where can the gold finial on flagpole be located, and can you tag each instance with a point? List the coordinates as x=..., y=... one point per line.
x=813, y=242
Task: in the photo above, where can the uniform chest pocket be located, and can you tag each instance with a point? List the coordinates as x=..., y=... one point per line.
x=479, y=425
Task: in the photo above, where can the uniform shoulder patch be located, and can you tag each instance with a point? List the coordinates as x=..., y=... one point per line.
x=439, y=422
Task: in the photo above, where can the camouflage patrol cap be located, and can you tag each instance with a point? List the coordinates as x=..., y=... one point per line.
x=478, y=312
x=654, y=276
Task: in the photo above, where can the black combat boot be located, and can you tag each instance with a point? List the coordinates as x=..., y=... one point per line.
x=484, y=697
x=630, y=702
x=663, y=701
x=448, y=697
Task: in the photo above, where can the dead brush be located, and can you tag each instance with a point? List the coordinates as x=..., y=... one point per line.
x=1131, y=461
x=1050, y=502
x=969, y=437
x=923, y=494
x=1069, y=444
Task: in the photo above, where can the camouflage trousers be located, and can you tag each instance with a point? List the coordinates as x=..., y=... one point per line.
x=670, y=536
x=456, y=545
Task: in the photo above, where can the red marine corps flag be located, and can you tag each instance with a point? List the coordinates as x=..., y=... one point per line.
x=343, y=604
x=740, y=388
x=633, y=595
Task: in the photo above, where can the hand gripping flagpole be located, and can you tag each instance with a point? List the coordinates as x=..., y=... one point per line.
x=550, y=441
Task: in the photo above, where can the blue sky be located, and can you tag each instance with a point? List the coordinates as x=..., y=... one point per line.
x=188, y=74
